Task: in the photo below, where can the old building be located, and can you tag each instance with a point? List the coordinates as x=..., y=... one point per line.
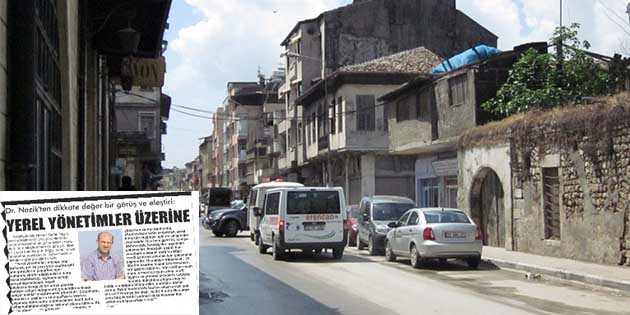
x=427, y=115
x=140, y=123
x=56, y=98
x=363, y=31
x=206, y=160
x=553, y=183
x=346, y=144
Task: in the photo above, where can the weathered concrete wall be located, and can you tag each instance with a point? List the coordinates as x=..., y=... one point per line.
x=372, y=29
x=474, y=164
x=3, y=92
x=454, y=119
x=415, y=132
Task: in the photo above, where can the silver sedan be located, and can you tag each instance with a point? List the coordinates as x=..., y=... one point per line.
x=434, y=233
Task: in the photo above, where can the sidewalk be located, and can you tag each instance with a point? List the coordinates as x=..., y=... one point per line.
x=600, y=275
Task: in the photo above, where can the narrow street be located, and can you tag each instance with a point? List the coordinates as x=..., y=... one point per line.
x=236, y=279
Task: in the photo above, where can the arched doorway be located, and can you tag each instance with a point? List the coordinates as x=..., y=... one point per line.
x=487, y=207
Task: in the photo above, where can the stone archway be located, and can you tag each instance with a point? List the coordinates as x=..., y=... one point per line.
x=487, y=207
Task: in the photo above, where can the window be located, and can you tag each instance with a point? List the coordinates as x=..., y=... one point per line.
x=321, y=121
x=430, y=195
x=340, y=112
x=402, y=111
x=147, y=124
x=272, y=204
x=403, y=219
x=366, y=112
x=299, y=89
x=419, y=113
x=445, y=216
x=414, y=219
x=308, y=130
x=299, y=130
x=314, y=126
x=451, y=191
x=551, y=202
x=252, y=198
x=313, y=202
x=298, y=46
x=388, y=211
x=333, y=113
x=458, y=89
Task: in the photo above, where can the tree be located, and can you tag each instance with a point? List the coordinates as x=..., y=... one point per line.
x=540, y=81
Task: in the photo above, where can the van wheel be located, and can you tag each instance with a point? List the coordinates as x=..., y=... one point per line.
x=231, y=228
x=360, y=245
x=389, y=254
x=262, y=248
x=416, y=260
x=337, y=253
x=276, y=250
x=217, y=233
x=371, y=249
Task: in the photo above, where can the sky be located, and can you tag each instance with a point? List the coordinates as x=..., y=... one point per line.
x=212, y=42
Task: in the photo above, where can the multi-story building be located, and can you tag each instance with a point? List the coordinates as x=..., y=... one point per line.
x=141, y=116
x=207, y=166
x=347, y=144
x=56, y=103
x=363, y=31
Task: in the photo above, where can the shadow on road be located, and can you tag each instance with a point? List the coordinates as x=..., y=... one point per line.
x=323, y=257
x=230, y=286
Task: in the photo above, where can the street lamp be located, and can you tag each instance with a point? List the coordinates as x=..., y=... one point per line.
x=327, y=108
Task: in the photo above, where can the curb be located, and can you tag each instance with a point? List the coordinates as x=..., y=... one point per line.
x=562, y=274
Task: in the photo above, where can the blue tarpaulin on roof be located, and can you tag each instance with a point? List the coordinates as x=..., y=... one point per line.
x=481, y=52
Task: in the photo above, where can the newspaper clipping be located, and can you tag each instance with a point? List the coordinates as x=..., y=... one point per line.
x=75, y=253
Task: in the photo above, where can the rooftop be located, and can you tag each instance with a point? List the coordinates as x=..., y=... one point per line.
x=417, y=60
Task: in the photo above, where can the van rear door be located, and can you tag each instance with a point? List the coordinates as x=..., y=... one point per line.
x=314, y=216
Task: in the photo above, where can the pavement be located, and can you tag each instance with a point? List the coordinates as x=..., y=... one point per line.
x=614, y=277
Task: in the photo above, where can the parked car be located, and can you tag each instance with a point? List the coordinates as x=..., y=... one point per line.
x=309, y=219
x=228, y=221
x=352, y=224
x=376, y=213
x=256, y=199
x=434, y=233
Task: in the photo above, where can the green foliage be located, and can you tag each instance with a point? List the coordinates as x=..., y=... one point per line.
x=540, y=81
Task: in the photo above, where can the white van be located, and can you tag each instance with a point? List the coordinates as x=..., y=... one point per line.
x=256, y=199
x=307, y=218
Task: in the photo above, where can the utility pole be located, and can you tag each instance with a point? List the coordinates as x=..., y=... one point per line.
x=560, y=48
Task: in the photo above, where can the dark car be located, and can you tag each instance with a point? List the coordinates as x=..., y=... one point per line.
x=376, y=213
x=228, y=222
x=352, y=224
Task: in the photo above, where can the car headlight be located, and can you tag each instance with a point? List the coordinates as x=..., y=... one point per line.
x=382, y=230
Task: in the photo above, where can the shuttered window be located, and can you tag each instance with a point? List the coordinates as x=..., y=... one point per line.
x=366, y=112
x=551, y=203
x=458, y=89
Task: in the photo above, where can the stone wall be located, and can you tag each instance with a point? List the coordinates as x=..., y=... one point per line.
x=589, y=145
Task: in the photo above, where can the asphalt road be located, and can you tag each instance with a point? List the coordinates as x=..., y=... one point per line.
x=236, y=279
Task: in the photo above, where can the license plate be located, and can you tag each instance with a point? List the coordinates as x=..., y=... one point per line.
x=455, y=234
x=314, y=227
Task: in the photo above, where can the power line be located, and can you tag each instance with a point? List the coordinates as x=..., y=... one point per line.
x=623, y=27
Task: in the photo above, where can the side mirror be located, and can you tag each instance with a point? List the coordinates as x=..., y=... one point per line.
x=258, y=212
x=393, y=225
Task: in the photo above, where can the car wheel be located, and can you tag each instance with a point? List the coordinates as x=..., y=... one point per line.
x=217, y=233
x=337, y=253
x=231, y=228
x=389, y=254
x=473, y=262
x=262, y=248
x=416, y=260
x=360, y=245
x=252, y=237
x=371, y=249
x=276, y=250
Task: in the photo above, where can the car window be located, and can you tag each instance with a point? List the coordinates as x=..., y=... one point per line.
x=413, y=219
x=252, y=198
x=272, y=204
x=445, y=216
x=313, y=202
x=403, y=220
x=390, y=211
